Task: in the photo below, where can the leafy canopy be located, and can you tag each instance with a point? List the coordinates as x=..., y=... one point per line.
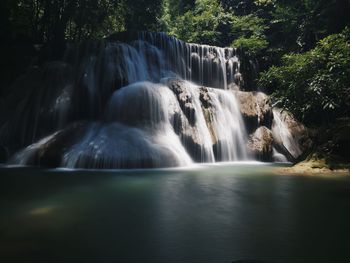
x=316, y=84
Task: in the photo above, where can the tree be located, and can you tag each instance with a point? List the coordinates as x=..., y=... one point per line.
x=142, y=15
x=202, y=23
x=249, y=33
x=303, y=23
x=314, y=85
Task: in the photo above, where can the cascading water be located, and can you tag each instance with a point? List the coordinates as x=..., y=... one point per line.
x=202, y=64
x=146, y=103
x=282, y=133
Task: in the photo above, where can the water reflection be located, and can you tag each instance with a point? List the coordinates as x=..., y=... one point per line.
x=40, y=211
x=215, y=213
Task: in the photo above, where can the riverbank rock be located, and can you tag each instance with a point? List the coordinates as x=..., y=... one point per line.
x=255, y=108
x=291, y=137
x=260, y=144
x=316, y=164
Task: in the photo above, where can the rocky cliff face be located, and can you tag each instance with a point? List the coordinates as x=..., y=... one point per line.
x=272, y=132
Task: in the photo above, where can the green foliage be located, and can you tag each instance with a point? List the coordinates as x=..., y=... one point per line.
x=207, y=21
x=142, y=15
x=303, y=23
x=95, y=19
x=248, y=25
x=200, y=24
x=315, y=85
x=249, y=33
x=48, y=21
x=254, y=45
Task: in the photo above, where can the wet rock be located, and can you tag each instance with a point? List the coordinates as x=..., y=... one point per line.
x=291, y=138
x=255, y=108
x=318, y=164
x=208, y=109
x=184, y=121
x=49, y=152
x=205, y=98
x=189, y=136
x=96, y=145
x=265, y=109
x=260, y=144
x=233, y=86
x=184, y=97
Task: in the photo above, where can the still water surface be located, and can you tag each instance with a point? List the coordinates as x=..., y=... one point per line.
x=217, y=213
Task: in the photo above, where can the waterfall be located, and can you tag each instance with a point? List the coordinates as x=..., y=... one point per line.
x=205, y=65
x=152, y=102
x=283, y=135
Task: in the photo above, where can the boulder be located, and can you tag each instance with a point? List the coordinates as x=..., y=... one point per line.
x=291, y=138
x=260, y=144
x=208, y=109
x=255, y=108
x=49, y=151
x=184, y=97
x=184, y=121
x=189, y=136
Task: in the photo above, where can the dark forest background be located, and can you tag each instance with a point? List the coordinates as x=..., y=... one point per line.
x=302, y=47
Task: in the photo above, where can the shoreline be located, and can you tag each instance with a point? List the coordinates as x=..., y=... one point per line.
x=315, y=167
x=312, y=172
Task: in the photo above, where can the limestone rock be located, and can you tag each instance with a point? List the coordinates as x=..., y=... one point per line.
x=49, y=151
x=291, y=137
x=260, y=144
x=208, y=109
x=184, y=97
x=185, y=120
x=255, y=108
